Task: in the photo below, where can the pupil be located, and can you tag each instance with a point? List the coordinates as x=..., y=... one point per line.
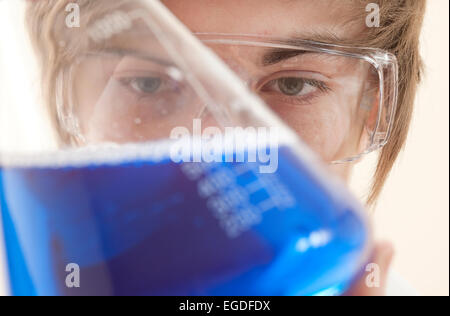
x=149, y=85
x=291, y=86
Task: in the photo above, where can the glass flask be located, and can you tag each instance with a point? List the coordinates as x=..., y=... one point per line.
x=135, y=161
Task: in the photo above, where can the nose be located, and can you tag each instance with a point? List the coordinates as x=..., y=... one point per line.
x=238, y=63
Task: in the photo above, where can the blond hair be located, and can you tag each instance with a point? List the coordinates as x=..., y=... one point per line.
x=398, y=33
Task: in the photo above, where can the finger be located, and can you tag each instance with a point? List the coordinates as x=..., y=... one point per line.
x=384, y=255
x=373, y=282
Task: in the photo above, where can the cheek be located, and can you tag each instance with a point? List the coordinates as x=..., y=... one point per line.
x=91, y=102
x=323, y=130
x=108, y=111
x=87, y=91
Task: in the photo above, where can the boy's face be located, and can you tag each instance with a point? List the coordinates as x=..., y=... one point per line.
x=317, y=20
x=324, y=120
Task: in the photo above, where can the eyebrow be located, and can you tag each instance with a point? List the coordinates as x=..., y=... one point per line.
x=275, y=56
x=278, y=55
x=271, y=56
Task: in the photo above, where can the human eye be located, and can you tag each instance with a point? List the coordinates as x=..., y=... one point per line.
x=141, y=78
x=295, y=88
x=150, y=85
x=144, y=85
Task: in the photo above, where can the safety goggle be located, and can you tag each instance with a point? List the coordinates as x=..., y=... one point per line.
x=340, y=100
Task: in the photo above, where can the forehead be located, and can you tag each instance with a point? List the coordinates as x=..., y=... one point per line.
x=280, y=18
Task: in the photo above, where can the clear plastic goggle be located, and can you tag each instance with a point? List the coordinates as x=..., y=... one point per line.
x=340, y=100
x=127, y=86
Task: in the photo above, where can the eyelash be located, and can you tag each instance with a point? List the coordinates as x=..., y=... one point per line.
x=148, y=102
x=301, y=100
x=128, y=82
x=321, y=86
x=168, y=87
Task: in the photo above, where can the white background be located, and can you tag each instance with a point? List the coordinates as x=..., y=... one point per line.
x=414, y=207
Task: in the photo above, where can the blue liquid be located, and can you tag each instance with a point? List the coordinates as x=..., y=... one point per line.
x=147, y=228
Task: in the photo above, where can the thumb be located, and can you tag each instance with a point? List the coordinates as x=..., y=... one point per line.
x=383, y=257
x=373, y=282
